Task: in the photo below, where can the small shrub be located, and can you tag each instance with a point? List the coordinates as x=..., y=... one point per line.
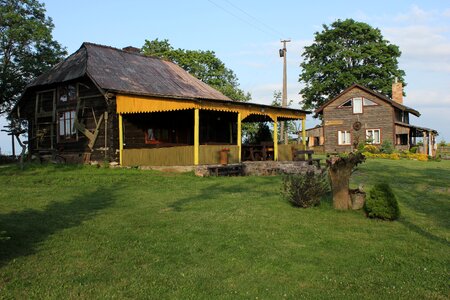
x=413, y=149
x=382, y=203
x=305, y=190
x=442, y=143
x=361, y=147
x=371, y=149
x=386, y=147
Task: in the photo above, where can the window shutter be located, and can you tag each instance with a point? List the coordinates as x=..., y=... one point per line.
x=357, y=105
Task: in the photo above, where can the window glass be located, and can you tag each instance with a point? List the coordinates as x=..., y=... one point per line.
x=150, y=134
x=357, y=105
x=344, y=137
x=376, y=136
x=368, y=102
x=66, y=122
x=67, y=93
x=347, y=104
x=373, y=136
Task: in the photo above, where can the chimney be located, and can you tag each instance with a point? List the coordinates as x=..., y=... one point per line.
x=397, y=91
x=132, y=49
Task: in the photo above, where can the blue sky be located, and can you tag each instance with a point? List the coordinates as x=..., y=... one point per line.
x=246, y=36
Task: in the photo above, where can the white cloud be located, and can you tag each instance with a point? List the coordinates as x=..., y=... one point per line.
x=423, y=46
x=446, y=13
x=415, y=14
x=429, y=97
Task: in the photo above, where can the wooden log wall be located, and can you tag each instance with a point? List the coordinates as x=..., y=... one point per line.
x=94, y=105
x=380, y=117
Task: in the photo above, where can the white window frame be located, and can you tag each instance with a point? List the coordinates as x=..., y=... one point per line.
x=66, y=129
x=357, y=109
x=344, y=137
x=371, y=136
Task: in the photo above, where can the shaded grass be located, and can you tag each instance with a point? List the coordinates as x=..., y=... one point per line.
x=98, y=233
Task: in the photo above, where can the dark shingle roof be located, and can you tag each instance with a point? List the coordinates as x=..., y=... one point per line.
x=126, y=72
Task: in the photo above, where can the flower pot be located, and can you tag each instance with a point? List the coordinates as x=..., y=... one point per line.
x=224, y=157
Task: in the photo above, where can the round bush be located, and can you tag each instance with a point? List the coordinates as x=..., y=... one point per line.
x=382, y=203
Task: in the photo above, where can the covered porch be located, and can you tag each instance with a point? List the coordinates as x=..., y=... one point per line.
x=407, y=136
x=180, y=132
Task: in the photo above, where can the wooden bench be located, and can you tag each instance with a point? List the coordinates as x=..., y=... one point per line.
x=300, y=155
x=263, y=151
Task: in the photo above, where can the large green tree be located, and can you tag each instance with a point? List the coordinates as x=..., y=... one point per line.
x=27, y=48
x=204, y=65
x=344, y=53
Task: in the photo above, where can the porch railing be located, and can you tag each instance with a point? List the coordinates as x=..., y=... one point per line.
x=170, y=156
x=209, y=154
x=178, y=156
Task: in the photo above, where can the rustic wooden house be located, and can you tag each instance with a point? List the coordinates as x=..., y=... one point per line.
x=102, y=103
x=361, y=115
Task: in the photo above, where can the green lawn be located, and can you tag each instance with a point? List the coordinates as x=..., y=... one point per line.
x=84, y=233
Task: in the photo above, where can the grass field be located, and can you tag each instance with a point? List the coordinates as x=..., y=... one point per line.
x=88, y=233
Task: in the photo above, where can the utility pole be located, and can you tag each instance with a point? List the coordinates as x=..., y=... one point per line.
x=284, y=135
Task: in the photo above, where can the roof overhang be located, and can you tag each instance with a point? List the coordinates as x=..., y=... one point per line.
x=132, y=104
x=418, y=128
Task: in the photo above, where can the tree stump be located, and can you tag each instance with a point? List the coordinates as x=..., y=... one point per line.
x=340, y=169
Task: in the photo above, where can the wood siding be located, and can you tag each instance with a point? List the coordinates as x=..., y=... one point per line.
x=209, y=154
x=93, y=106
x=173, y=156
x=338, y=118
x=285, y=151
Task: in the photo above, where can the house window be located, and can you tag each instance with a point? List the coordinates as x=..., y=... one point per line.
x=66, y=121
x=373, y=136
x=45, y=101
x=344, y=138
x=67, y=93
x=347, y=104
x=357, y=105
x=368, y=102
x=156, y=135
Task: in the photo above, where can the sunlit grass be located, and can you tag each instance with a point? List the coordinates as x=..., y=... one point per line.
x=82, y=232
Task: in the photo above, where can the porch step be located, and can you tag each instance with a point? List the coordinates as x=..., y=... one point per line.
x=226, y=170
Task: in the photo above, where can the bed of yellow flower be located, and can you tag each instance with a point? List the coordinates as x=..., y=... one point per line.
x=397, y=156
x=82, y=232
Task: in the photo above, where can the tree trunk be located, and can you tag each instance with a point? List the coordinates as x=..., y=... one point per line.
x=340, y=170
x=340, y=181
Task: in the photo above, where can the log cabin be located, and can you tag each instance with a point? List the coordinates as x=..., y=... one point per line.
x=117, y=105
x=361, y=115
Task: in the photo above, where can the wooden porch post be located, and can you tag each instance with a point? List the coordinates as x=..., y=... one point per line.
x=275, y=139
x=196, y=135
x=120, y=140
x=430, y=143
x=303, y=134
x=239, y=136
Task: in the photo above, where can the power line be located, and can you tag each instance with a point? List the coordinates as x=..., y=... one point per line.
x=257, y=20
x=242, y=19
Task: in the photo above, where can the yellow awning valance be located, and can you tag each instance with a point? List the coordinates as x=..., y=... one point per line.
x=138, y=104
